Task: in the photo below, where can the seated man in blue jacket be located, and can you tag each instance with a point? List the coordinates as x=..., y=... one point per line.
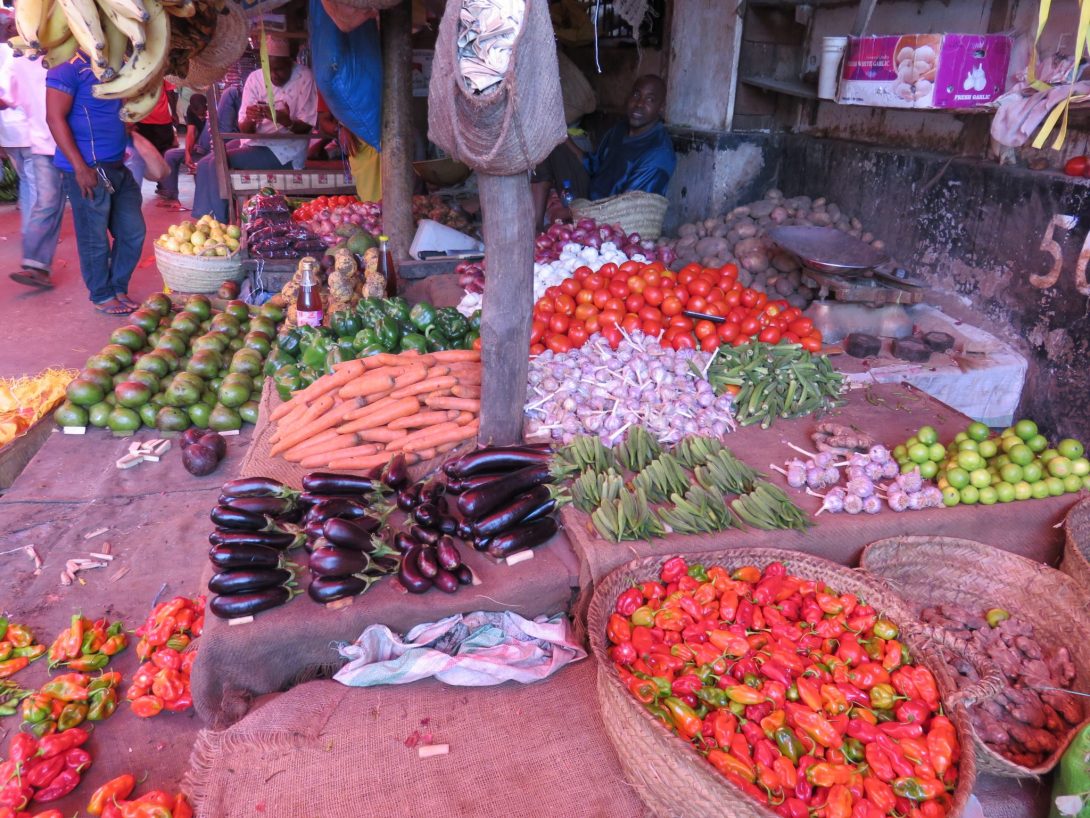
x=635, y=154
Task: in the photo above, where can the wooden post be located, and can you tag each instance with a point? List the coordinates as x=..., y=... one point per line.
x=508, y=212
x=397, y=131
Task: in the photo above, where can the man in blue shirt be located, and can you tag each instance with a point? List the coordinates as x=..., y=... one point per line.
x=106, y=200
x=636, y=154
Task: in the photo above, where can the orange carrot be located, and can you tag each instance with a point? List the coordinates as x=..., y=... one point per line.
x=307, y=446
x=421, y=419
x=466, y=391
x=410, y=376
x=328, y=383
x=424, y=433
x=452, y=355
x=464, y=404
x=428, y=385
x=438, y=437
x=367, y=385
x=381, y=417
x=464, y=417
x=365, y=410
x=326, y=458
x=384, y=435
x=401, y=359
x=292, y=404
x=322, y=422
x=360, y=463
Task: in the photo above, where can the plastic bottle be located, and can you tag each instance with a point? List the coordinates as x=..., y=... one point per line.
x=566, y=195
x=386, y=265
x=308, y=301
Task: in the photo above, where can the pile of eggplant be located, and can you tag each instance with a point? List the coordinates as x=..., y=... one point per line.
x=254, y=521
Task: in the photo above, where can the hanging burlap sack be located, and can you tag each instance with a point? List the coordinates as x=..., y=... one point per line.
x=579, y=99
x=514, y=125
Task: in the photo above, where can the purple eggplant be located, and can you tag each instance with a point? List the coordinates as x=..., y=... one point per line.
x=335, y=484
x=447, y=554
x=496, y=458
x=521, y=538
x=481, y=543
x=330, y=561
x=244, y=556
x=408, y=574
x=246, y=580
x=460, y=485
x=427, y=515
x=447, y=524
x=511, y=514
x=239, y=605
x=404, y=543
x=256, y=487
x=382, y=565
x=479, y=502
x=465, y=530
x=235, y=519
x=396, y=473
x=427, y=561
x=341, y=507
x=409, y=498
x=314, y=529
x=308, y=499
x=464, y=574
x=280, y=540
x=282, y=508
x=543, y=510
x=324, y=590
x=424, y=535
x=431, y=491
x=351, y=534
x=446, y=581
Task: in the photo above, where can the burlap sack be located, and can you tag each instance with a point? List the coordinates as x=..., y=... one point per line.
x=337, y=752
x=348, y=16
x=579, y=98
x=513, y=126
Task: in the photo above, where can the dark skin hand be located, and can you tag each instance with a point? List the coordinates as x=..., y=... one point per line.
x=57, y=106
x=280, y=69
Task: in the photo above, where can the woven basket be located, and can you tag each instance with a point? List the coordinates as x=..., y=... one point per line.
x=1076, y=561
x=928, y=571
x=197, y=274
x=661, y=764
x=635, y=212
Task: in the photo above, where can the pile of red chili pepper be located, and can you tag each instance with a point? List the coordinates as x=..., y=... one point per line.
x=162, y=682
x=85, y=645
x=801, y=697
x=111, y=801
x=41, y=770
x=17, y=647
x=66, y=701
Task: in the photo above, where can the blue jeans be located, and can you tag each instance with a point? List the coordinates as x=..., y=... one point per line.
x=174, y=159
x=206, y=191
x=40, y=237
x=20, y=161
x=107, y=269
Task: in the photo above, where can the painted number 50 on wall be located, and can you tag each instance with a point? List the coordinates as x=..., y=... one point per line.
x=1050, y=246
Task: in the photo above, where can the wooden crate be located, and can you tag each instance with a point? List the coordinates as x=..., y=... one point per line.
x=15, y=456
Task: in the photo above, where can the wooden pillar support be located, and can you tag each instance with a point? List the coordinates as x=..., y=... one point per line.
x=397, y=131
x=508, y=212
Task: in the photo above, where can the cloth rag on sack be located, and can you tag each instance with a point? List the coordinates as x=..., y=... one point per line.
x=513, y=125
x=468, y=650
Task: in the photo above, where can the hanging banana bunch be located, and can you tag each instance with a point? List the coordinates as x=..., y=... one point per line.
x=131, y=44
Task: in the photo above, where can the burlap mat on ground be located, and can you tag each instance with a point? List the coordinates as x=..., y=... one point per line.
x=327, y=750
x=898, y=411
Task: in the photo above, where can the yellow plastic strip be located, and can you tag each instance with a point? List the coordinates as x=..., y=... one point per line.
x=1064, y=108
x=1031, y=71
x=270, y=98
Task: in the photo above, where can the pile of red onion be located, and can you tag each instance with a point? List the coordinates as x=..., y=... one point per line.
x=471, y=276
x=367, y=215
x=589, y=233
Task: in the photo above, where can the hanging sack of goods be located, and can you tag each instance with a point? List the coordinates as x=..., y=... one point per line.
x=494, y=99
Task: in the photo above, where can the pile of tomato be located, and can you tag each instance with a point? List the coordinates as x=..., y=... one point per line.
x=651, y=299
x=803, y=698
x=309, y=209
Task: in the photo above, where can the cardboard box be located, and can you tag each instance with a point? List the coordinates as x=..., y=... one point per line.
x=936, y=71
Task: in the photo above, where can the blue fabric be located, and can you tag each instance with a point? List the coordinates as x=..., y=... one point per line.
x=20, y=160
x=226, y=116
x=348, y=72
x=107, y=268
x=40, y=237
x=623, y=163
x=95, y=123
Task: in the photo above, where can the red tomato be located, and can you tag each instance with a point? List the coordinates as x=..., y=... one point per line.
x=537, y=349
x=709, y=344
x=727, y=331
x=599, y=298
x=610, y=318
x=682, y=293
x=614, y=303
x=607, y=270
x=719, y=308
x=559, y=323
x=802, y=327
x=667, y=275
x=762, y=299
x=595, y=281
x=558, y=343
x=577, y=334
x=631, y=323
x=634, y=303
x=741, y=340
x=545, y=305
x=612, y=335
x=749, y=326
x=581, y=273
x=593, y=324
x=703, y=329
x=683, y=321
x=618, y=288
x=651, y=275
x=565, y=304
x=684, y=340
x=653, y=295
x=671, y=306
x=537, y=331
x=738, y=314
x=699, y=286
x=791, y=313
x=733, y=298
x=650, y=314
x=771, y=335
x=697, y=303
x=652, y=328
x=811, y=344
x=1076, y=166
x=729, y=269
x=749, y=298
x=717, y=294
x=585, y=311
x=630, y=268
x=569, y=286
x=636, y=283
x=655, y=266
x=584, y=297
x=790, y=338
x=553, y=292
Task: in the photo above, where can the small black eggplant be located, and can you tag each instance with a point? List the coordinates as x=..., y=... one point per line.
x=239, y=605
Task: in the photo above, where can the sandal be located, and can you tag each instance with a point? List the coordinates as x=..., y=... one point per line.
x=171, y=204
x=114, y=307
x=33, y=278
x=128, y=302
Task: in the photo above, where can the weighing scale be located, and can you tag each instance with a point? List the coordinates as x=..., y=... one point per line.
x=859, y=288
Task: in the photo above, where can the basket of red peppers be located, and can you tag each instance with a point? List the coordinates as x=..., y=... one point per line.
x=765, y=682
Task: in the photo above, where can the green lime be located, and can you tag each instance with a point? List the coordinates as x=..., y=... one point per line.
x=1023, y=490
x=970, y=495
x=918, y=453
x=1011, y=473
x=988, y=449
x=1086, y=482
x=928, y=469
x=1001, y=461
x=900, y=453
x=1038, y=443
x=912, y=441
x=1025, y=429
x=927, y=435
x=1032, y=472
x=950, y=497
x=69, y=414
x=978, y=431
x=1009, y=442
x=1059, y=466
x=1021, y=454
x=1047, y=455
x=1070, y=448
x=958, y=477
x=980, y=478
x=988, y=496
x=968, y=446
x=909, y=466
x=122, y=419
x=1072, y=483
x=936, y=452
x=970, y=460
x=1005, y=492
x=1080, y=466
x=1055, y=486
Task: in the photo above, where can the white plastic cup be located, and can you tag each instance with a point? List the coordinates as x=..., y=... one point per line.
x=832, y=51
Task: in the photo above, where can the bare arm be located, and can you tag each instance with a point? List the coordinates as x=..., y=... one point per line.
x=57, y=106
x=190, y=142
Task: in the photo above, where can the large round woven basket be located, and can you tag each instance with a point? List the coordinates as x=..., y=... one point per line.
x=927, y=571
x=197, y=274
x=635, y=212
x=661, y=765
x=1076, y=561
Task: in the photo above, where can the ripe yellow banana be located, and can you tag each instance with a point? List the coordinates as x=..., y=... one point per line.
x=54, y=28
x=133, y=9
x=22, y=48
x=117, y=44
x=61, y=53
x=86, y=27
x=142, y=68
x=132, y=30
x=28, y=16
x=140, y=106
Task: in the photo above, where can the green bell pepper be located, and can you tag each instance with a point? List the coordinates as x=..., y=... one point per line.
x=289, y=342
x=471, y=336
x=414, y=342
x=368, y=350
x=437, y=341
x=396, y=308
x=334, y=356
x=366, y=337
x=345, y=323
x=277, y=358
x=287, y=379
x=369, y=310
x=451, y=322
x=475, y=321
x=422, y=316
x=388, y=333
x=314, y=354
x=347, y=347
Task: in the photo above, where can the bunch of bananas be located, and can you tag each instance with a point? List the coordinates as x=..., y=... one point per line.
x=131, y=44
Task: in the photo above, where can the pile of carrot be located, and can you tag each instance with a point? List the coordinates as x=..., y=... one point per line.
x=369, y=409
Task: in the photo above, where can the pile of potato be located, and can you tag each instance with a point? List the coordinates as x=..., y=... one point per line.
x=739, y=237
x=1024, y=723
